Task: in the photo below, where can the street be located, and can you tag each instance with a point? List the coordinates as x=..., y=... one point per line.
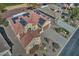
x=72, y=47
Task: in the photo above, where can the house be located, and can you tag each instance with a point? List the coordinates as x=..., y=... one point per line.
x=28, y=25
x=52, y=10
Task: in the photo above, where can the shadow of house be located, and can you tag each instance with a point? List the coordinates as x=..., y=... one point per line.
x=3, y=33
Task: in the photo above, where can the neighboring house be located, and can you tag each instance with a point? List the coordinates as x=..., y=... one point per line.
x=52, y=10
x=65, y=26
x=28, y=25
x=4, y=47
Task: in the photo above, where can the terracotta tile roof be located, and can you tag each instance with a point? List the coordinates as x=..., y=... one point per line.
x=29, y=36
x=26, y=38
x=17, y=27
x=34, y=18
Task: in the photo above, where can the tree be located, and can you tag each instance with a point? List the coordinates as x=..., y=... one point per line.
x=3, y=22
x=74, y=12
x=2, y=6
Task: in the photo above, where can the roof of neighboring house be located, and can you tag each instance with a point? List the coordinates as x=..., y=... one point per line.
x=3, y=44
x=17, y=27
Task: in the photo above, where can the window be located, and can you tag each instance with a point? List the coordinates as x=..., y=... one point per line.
x=23, y=22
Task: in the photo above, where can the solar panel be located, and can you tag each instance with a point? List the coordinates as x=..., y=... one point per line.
x=23, y=22
x=41, y=22
x=26, y=14
x=14, y=19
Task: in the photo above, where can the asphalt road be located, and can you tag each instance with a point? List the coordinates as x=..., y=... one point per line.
x=72, y=47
